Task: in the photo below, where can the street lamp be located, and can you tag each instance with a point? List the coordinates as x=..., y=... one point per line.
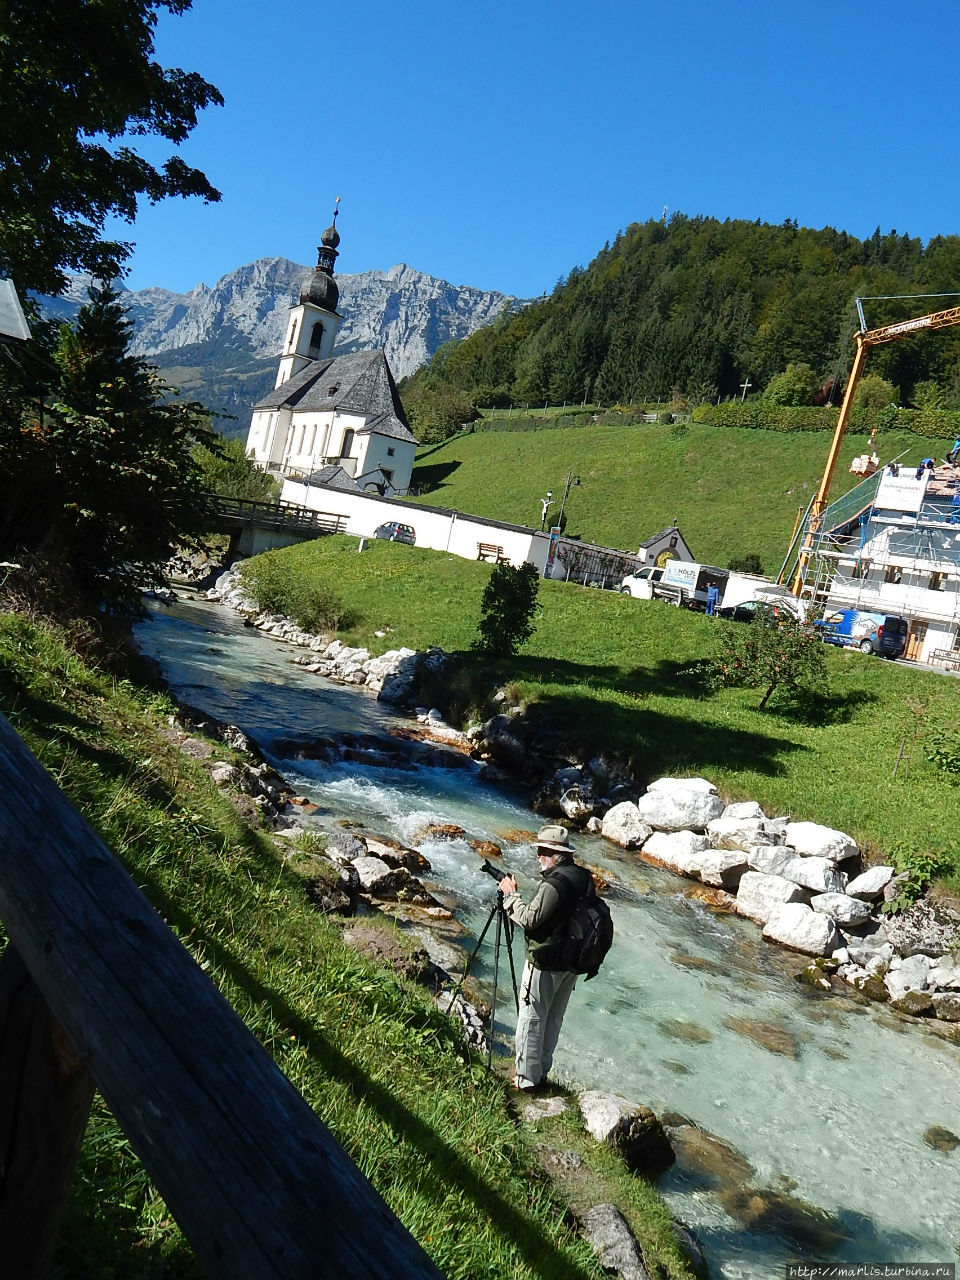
x=572, y=481
x=546, y=503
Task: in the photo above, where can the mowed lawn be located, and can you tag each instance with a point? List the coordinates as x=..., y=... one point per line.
x=618, y=675
x=732, y=490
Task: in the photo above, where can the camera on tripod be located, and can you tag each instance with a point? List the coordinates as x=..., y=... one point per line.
x=489, y=869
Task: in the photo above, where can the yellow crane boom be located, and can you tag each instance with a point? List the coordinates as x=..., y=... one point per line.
x=865, y=339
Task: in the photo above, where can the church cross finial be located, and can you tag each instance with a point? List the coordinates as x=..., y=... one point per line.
x=336, y=210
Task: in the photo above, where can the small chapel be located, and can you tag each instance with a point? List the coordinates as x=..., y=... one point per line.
x=331, y=420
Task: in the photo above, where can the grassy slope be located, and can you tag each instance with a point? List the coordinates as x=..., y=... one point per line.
x=370, y=1053
x=733, y=491
x=612, y=671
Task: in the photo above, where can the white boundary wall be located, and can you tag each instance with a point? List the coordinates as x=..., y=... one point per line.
x=435, y=527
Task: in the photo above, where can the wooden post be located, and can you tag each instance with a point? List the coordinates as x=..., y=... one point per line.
x=45, y=1097
x=258, y=1184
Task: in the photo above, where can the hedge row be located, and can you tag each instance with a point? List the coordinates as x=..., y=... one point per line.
x=940, y=424
x=605, y=418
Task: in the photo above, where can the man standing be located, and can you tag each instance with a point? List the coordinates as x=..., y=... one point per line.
x=546, y=985
x=713, y=595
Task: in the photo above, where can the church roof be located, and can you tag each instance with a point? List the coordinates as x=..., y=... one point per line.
x=360, y=382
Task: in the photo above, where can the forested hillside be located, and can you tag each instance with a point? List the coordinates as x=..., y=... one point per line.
x=697, y=307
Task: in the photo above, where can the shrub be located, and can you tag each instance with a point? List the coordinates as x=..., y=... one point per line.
x=508, y=607
x=312, y=605
x=749, y=563
x=795, y=386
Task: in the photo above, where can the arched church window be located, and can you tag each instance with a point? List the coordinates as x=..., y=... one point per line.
x=293, y=335
x=316, y=341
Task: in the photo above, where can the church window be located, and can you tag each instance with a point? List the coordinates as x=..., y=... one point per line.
x=313, y=438
x=293, y=334
x=390, y=453
x=346, y=449
x=316, y=341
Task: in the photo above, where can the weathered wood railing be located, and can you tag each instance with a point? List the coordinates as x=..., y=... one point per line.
x=274, y=515
x=95, y=990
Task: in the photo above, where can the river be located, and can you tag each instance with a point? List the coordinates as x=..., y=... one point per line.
x=827, y=1099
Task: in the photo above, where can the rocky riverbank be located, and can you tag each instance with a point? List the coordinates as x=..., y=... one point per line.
x=806, y=885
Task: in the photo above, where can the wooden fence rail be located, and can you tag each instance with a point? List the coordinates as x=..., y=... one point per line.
x=95, y=989
x=274, y=515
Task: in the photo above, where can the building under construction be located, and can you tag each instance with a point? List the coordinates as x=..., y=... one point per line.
x=892, y=545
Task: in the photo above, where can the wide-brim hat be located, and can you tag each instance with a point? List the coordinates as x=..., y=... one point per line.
x=556, y=839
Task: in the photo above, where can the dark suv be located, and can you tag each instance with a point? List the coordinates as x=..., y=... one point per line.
x=394, y=531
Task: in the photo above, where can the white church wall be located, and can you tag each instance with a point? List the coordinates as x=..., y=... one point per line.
x=453, y=532
x=395, y=456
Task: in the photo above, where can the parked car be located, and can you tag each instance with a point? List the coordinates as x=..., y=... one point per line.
x=394, y=531
x=776, y=610
x=880, y=633
x=641, y=583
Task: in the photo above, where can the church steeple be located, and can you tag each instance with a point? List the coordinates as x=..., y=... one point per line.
x=321, y=289
x=313, y=324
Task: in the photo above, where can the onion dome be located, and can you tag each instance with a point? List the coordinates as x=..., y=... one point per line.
x=321, y=289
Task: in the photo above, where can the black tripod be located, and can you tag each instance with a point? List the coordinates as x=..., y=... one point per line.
x=504, y=929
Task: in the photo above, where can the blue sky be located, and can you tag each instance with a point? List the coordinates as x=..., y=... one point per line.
x=499, y=145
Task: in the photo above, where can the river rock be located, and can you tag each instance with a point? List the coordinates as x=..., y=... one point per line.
x=677, y=851
x=813, y=840
x=845, y=910
x=611, y=1240
x=759, y=895
x=578, y=803
x=633, y=1129
x=683, y=784
x=946, y=1005
x=945, y=974
x=735, y=833
x=941, y=1139
x=797, y=926
x=744, y=809
x=722, y=868
x=342, y=847
x=870, y=954
x=379, y=880
x=770, y=859
x=925, y=928
x=819, y=874
x=676, y=809
x=909, y=974
x=915, y=1003
x=623, y=825
x=871, y=883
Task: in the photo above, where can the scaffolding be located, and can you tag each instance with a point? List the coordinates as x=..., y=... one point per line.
x=859, y=555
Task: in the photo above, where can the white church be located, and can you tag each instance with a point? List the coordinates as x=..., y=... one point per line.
x=331, y=420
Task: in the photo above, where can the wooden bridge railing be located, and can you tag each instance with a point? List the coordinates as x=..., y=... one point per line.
x=274, y=515
x=96, y=990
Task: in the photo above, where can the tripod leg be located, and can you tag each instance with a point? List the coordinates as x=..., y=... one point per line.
x=496, y=975
x=472, y=957
x=508, y=932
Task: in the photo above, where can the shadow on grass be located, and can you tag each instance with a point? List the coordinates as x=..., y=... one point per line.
x=429, y=479
x=443, y=1170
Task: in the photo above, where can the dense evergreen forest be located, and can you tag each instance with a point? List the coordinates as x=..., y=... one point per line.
x=694, y=307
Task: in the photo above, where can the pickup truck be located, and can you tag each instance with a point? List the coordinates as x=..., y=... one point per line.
x=641, y=583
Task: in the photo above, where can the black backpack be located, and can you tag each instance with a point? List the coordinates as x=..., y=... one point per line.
x=589, y=930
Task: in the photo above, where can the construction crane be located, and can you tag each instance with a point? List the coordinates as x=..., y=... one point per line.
x=865, y=339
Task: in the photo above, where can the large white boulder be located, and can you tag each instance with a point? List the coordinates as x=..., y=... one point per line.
x=770, y=859
x=744, y=809
x=722, y=868
x=678, y=809
x=683, y=784
x=678, y=851
x=819, y=874
x=728, y=832
x=759, y=895
x=624, y=826
x=845, y=910
x=871, y=883
x=796, y=926
x=911, y=974
x=813, y=840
